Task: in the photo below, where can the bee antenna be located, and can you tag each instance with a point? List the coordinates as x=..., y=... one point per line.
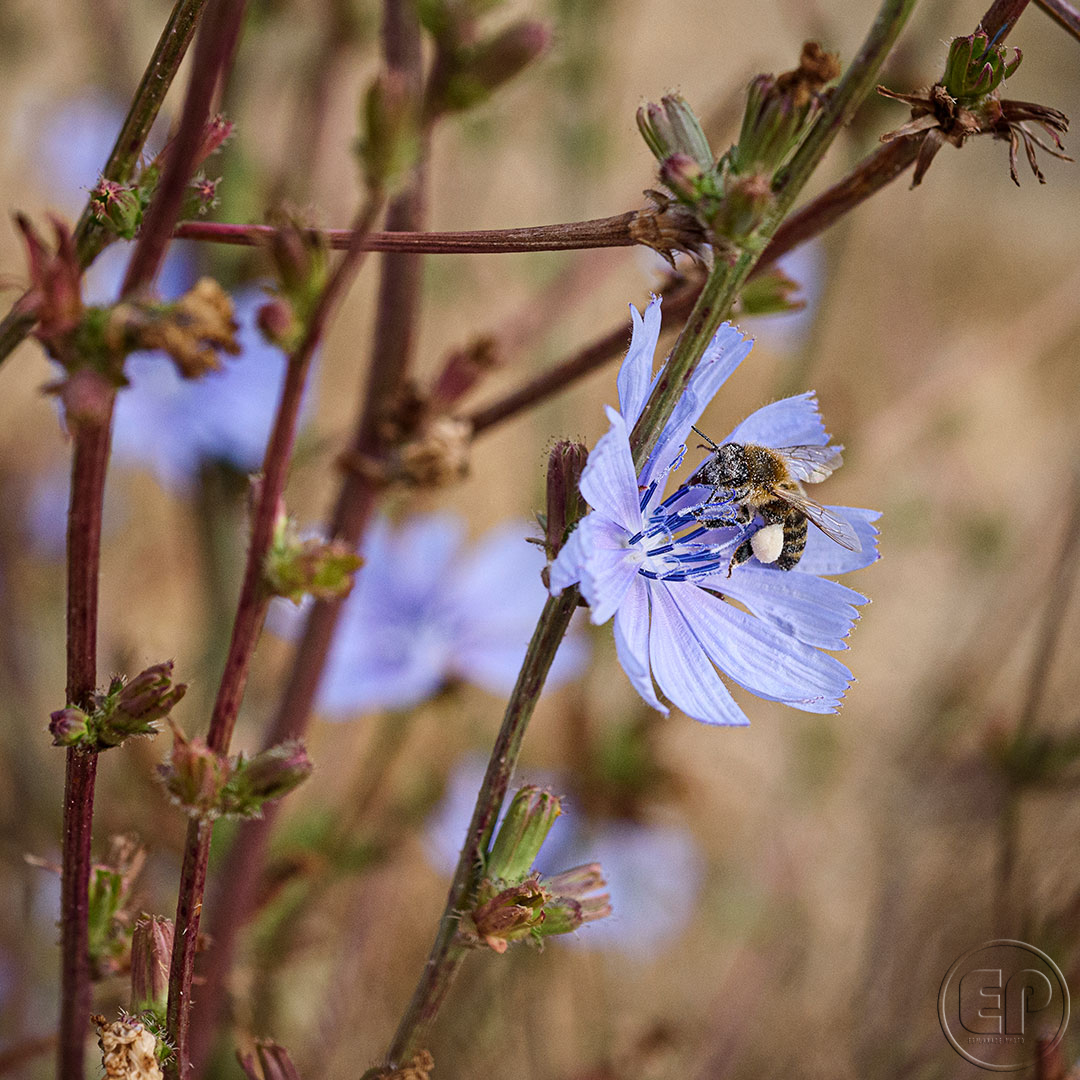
x=710, y=445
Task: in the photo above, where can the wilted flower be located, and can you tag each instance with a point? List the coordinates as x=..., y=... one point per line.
x=174, y=425
x=664, y=577
x=423, y=612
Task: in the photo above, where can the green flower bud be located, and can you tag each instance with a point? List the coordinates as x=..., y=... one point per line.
x=390, y=144
x=269, y=775
x=528, y=820
x=151, y=955
x=974, y=68
x=297, y=568
x=477, y=72
x=194, y=776
x=672, y=128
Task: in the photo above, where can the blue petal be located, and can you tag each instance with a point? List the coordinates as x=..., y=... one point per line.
x=654, y=873
x=793, y=421
x=636, y=373
x=681, y=668
x=569, y=564
x=825, y=556
x=610, y=567
x=725, y=353
x=760, y=658
x=608, y=481
x=816, y=610
x=494, y=600
x=632, y=640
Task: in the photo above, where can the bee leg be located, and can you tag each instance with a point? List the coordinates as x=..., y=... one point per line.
x=743, y=553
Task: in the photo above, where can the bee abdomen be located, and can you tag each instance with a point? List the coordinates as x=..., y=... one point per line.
x=794, y=541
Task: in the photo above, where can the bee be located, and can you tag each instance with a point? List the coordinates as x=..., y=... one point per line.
x=767, y=482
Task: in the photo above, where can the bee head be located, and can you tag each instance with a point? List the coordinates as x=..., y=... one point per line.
x=730, y=466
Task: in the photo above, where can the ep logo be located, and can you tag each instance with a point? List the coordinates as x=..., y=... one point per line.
x=1003, y=1005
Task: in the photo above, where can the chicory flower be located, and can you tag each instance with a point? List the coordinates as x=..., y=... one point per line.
x=650, y=563
x=424, y=612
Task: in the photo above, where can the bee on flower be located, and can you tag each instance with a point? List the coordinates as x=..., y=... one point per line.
x=667, y=568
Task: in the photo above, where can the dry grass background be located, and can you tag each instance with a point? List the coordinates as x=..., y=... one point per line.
x=851, y=858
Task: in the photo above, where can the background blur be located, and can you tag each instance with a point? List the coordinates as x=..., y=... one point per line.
x=795, y=891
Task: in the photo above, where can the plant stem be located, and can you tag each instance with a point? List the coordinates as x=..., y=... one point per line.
x=1064, y=14
x=213, y=57
x=1000, y=18
x=89, y=464
x=715, y=301
x=877, y=170
x=156, y=80
x=445, y=957
x=724, y=282
x=613, y=231
x=250, y=615
x=392, y=351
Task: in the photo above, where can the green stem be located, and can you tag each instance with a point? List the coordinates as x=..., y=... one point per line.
x=714, y=303
x=727, y=278
x=89, y=238
x=445, y=957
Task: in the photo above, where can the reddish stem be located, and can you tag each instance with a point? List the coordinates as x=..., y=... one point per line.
x=872, y=174
x=599, y=233
x=250, y=615
x=1064, y=14
x=236, y=895
x=88, y=470
x=214, y=50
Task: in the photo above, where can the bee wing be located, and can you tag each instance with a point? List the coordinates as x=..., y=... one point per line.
x=832, y=525
x=811, y=464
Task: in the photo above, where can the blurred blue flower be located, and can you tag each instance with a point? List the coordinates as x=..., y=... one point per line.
x=173, y=425
x=424, y=612
x=654, y=871
x=666, y=586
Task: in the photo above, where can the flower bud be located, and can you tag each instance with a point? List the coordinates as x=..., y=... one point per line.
x=682, y=175
x=278, y=324
x=151, y=694
x=780, y=109
x=269, y=775
x=296, y=568
x=118, y=207
x=565, y=505
x=274, y=1062
x=671, y=128
x=194, y=776
x=477, y=72
x=461, y=371
x=68, y=727
x=974, y=68
x=390, y=143
x=151, y=956
x=528, y=820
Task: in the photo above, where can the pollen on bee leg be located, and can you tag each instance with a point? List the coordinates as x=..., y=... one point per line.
x=768, y=542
